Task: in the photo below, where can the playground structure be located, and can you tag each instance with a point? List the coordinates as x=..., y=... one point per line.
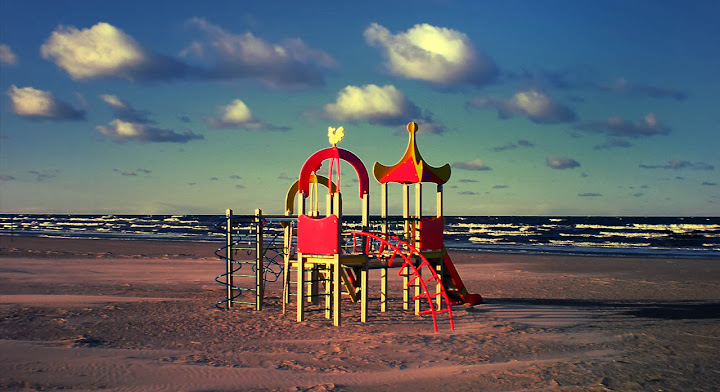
x=324, y=256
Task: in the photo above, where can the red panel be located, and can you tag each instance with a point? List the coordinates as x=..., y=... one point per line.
x=318, y=236
x=404, y=173
x=431, y=233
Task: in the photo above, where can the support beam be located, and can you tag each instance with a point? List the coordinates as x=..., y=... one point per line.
x=418, y=200
x=383, y=289
x=259, y=261
x=337, y=290
x=384, y=206
x=300, y=276
x=408, y=238
x=439, y=201
x=229, y=256
x=364, y=289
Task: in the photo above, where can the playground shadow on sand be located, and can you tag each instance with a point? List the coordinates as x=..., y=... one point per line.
x=672, y=310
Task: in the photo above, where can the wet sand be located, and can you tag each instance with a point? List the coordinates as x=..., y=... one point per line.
x=134, y=315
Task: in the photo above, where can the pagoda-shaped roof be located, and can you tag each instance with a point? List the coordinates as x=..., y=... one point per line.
x=411, y=168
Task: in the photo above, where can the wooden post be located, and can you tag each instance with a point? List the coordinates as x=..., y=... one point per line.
x=337, y=289
x=383, y=289
x=385, y=229
x=315, y=199
x=259, y=261
x=384, y=206
x=287, y=247
x=336, y=267
x=417, y=241
x=229, y=256
x=364, y=289
x=328, y=205
x=439, y=265
x=439, y=201
x=406, y=218
x=300, y=276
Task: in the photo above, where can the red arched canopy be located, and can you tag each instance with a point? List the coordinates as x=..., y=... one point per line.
x=313, y=164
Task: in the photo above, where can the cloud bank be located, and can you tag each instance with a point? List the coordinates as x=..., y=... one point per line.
x=135, y=125
x=433, y=54
x=37, y=104
x=123, y=131
x=616, y=126
x=104, y=51
x=291, y=64
x=537, y=106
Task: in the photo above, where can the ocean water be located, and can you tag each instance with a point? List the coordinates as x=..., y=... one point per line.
x=683, y=237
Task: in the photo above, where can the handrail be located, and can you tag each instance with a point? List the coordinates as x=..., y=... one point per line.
x=407, y=252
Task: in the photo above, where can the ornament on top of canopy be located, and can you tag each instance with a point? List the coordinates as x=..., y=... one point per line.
x=412, y=168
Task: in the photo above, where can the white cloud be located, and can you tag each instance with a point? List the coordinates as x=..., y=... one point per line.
x=7, y=56
x=104, y=51
x=561, y=163
x=123, y=131
x=616, y=126
x=372, y=103
x=290, y=64
x=433, y=54
x=474, y=164
x=537, y=106
x=41, y=105
x=238, y=115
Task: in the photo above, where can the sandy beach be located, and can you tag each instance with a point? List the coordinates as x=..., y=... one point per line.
x=138, y=316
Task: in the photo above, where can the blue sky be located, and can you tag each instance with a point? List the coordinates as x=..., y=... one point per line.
x=541, y=108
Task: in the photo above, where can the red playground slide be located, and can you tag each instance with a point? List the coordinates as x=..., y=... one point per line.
x=465, y=297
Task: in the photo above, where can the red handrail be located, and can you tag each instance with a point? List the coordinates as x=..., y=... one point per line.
x=379, y=252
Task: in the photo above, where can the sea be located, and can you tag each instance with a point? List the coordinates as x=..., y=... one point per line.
x=676, y=237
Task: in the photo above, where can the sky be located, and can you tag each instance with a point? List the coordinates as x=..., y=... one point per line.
x=554, y=107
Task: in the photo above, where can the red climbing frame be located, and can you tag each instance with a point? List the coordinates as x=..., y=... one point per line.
x=378, y=245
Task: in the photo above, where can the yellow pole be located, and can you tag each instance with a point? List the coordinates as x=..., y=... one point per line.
x=259, y=261
x=229, y=257
x=408, y=238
